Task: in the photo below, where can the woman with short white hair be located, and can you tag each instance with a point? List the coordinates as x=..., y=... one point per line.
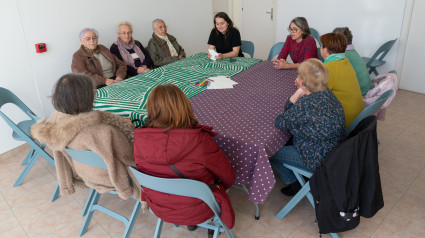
x=163, y=48
x=130, y=51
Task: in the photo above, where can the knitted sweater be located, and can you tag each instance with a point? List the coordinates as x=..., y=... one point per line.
x=316, y=122
x=344, y=85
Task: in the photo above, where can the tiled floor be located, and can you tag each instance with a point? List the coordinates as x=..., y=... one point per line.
x=26, y=211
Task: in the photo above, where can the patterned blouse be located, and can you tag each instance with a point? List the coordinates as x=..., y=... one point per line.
x=299, y=51
x=317, y=124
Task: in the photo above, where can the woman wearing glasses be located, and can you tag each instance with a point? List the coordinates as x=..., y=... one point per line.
x=97, y=61
x=299, y=45
x=130, y=51
x=162, y=47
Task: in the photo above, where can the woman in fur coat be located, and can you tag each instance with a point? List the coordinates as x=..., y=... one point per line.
x=75, y=125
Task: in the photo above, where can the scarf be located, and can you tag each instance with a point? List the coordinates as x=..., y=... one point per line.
x=95, y=51
x=333, y=57
x=126, y=56
x=170, y=46
x=350, y=47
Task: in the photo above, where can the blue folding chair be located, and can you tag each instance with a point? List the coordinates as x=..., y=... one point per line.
x=92, y=159
x=315, y=34
x=188, y=188
x=248, y=47
x=370, y=110
x=22, y=132
x=275, y=50
x=374, y=62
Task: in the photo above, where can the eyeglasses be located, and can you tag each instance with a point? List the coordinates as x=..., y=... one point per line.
x=293, y=30
x=126, y=33
x=90, y=38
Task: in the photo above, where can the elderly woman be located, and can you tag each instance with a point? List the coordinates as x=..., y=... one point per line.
x=315, y=119
x=162, y=47
x=130, y=51
x=299, y=45
x=356, y=61
x=173, y=145
x=342, y=77
x=224, y=38
x=96, y=60
x=75, y=125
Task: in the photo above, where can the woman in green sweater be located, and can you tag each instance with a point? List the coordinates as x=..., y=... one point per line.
x=342, y=78
x=356, y=61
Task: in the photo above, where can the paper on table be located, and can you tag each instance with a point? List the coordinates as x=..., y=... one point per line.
x=213, y=54
x=221, y=82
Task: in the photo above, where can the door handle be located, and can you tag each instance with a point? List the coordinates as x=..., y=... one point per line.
x=271, y=14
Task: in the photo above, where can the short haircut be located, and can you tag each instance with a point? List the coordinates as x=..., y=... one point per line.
x=334, y=42
x=346, y=32
x=301, y=23
x=154, y=22
x=74, y=94
x=169, y=108
x=83, y=31
x=314, y=75
x=124, y=23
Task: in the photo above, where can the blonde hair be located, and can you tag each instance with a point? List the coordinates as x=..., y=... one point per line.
x=314, y=75
x=124, y=23
x=168, y=108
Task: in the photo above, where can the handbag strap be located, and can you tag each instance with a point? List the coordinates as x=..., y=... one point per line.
x=160, y=44
x=177, y=171
x=91, y=60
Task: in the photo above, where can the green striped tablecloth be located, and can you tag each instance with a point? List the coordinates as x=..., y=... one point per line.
x=128, y=98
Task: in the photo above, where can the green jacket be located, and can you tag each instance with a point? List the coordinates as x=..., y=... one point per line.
x=360, y=68
x=157, y=53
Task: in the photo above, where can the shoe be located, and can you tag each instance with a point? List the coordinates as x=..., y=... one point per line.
x=192, y=228
x=291, y=189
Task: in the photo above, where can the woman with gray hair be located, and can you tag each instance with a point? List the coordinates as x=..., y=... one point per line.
x=96, y=61
x=299, y=45
x=130, y=51
x=162, y=47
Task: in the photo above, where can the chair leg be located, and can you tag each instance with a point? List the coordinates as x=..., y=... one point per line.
x=375, y=72
x=129, y=226
x=334, y=235
x=294, y=201
x=88, y=202
x=55, y=194
x=26, y=170
x=158, y=228
x=257, y=208
x=28, y=157
x=89, y=216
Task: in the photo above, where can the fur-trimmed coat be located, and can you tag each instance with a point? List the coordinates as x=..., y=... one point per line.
x=108, y=135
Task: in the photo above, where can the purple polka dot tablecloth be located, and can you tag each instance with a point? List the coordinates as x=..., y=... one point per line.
x=244, y=118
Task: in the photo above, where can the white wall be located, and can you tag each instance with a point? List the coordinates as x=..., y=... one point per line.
x=372, y=22
x=57, y=23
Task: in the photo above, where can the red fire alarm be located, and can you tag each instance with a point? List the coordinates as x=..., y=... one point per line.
x=40, y=47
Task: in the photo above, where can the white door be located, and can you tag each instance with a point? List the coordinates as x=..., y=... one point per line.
x=258, y=25
x=413, y=72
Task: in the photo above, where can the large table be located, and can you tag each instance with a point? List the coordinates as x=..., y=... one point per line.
x=244, y=118
x=128, y=98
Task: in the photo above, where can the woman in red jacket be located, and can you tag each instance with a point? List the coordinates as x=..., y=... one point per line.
x=172, y=136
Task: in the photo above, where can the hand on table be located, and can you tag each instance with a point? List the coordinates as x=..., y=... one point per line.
x=142, y=69
x=181, y=57
x=110, y=81
x=281, y=64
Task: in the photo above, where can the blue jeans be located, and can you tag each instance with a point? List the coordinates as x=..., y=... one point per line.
x=288, y=155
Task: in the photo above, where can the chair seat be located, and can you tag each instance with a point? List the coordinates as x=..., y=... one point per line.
x=375, y=63
x=25, y=126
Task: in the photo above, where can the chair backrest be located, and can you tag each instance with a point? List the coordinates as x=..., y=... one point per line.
x=182, y=187
x=370, y=110
x=248, y=47
x=315, y=34
x=275, y=50
x=382, y=50
x=87, y=157
x=7, y=96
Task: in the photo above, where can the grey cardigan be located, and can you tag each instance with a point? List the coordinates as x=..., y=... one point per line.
x=157, y=53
